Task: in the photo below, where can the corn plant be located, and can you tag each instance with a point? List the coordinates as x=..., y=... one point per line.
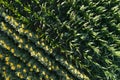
x=59, y=40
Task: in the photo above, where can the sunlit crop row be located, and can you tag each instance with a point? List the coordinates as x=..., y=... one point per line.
x=34, y=52
x=17, y=52
x=32, y=65
x=18, y=67
x=63, y=62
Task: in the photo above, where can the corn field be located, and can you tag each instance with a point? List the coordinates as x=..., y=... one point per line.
x=59, y=39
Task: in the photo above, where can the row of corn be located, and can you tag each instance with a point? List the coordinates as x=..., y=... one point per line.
x=75, y=39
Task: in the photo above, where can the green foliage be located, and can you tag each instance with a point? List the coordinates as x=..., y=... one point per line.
x=60, y=39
